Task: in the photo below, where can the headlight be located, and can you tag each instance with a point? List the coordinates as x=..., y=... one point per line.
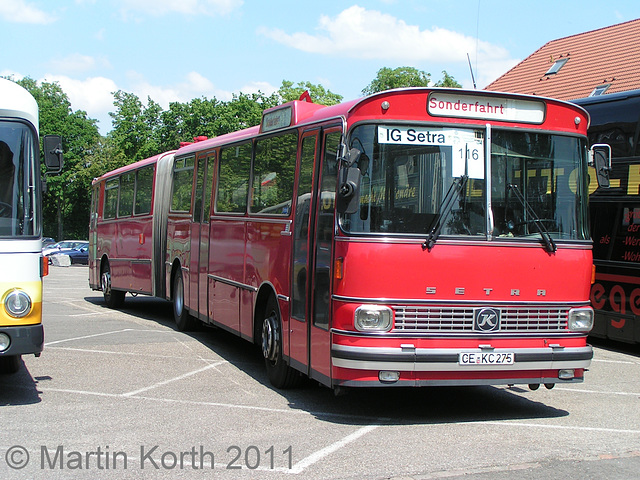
x=373, y=318
x=580, y=319
x=17, y=303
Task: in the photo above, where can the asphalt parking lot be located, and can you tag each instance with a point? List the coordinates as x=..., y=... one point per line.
x=123, y=395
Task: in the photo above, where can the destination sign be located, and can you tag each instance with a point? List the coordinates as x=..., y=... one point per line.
x=486, y=107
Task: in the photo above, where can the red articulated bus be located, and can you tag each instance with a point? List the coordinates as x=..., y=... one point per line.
x=416, y=236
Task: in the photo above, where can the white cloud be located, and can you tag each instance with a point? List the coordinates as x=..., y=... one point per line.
x=19, y=11
x=369, y=34
x=185, y=7
x=193, y=85
x=263, y=87
x=77, y=62
x=93, y=95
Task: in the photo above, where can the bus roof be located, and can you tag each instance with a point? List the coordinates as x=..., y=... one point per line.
x=613, y=108
x=606, y=98
x=17, y=102
x=132, y=166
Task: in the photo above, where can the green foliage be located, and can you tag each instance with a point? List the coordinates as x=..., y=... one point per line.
x=388, y=78
x=447, y=81
x=401, y=77
x=288, y=92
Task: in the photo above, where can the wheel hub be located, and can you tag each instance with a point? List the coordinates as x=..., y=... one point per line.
x=270, y=339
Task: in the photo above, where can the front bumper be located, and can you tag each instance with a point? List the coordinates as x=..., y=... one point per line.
x=438, y=362
x=25, y=339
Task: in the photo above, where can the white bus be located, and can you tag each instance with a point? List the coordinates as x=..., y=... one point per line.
x=21, y=263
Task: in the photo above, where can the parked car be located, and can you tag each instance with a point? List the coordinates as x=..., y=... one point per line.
x=46, y=241
x=79, y=254
x=65, y=244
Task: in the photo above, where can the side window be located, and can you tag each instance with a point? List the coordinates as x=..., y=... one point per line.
x=93, y=219
x=233, y=179
x=111, y=189
x=127, y=187
x=273, y=174
x=144, y=190
x=182, y=184
x=208, y=188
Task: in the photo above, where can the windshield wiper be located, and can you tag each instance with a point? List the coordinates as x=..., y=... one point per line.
x=546, y=237
x=453, y=194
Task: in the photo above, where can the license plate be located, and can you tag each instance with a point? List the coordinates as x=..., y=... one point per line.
x=488, y=358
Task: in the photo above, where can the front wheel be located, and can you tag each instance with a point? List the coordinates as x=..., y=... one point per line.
x=113, y=298
x=184, y=321
x=280, y=374
x=9, y=364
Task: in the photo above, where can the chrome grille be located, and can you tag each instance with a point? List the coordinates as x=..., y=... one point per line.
x=443, y=319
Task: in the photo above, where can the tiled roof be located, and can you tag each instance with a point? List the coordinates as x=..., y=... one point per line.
x=609, y=55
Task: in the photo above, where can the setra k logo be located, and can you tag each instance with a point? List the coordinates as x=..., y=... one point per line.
x=486, y=320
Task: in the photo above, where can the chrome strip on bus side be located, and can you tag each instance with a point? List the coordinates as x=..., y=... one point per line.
x=233, y=283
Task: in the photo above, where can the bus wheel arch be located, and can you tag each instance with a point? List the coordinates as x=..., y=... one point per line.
x=112, y=298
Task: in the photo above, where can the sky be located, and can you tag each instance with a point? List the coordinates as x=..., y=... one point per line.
x=178, y=50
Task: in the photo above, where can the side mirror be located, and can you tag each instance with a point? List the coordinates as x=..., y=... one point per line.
x=52, y=146
x=600, y=159
x=348, y=200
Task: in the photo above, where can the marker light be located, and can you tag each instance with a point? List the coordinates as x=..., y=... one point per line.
x=580, y=319
x=17, y=303
x=373, y=318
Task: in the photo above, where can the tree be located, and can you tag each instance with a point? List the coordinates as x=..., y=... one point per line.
x=447, y=81
x=288, y=92
x=401, y=77
x=66, y=201
x=135, y=126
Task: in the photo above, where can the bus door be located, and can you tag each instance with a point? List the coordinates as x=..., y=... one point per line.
x=198, y=301
x=314, y=248
x=94, y=274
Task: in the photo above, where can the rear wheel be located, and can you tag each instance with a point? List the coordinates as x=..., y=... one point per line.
x=113, y=298
x=280, y=374
x=184, y=321
x=9, y=364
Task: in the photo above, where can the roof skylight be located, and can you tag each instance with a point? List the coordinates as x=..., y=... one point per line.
x=557, y=65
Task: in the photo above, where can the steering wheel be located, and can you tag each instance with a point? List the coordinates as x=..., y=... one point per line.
x=5, y=209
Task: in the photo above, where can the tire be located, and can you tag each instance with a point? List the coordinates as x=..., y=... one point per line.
x=112, y=298
x=279, y=373
x=184, y=321
x=10, y=364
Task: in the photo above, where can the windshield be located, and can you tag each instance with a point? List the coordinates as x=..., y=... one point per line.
x=412, y=177
x=18, y=174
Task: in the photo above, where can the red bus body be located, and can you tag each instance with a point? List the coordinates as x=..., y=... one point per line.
x=250, y=232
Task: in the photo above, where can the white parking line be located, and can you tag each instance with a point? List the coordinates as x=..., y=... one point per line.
x=623, y=362
x=175, y=379
x=329, y=449
x=562, y=427
x=108, y=333
x=129, y=354
x=88, y=336
x=630, y=394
